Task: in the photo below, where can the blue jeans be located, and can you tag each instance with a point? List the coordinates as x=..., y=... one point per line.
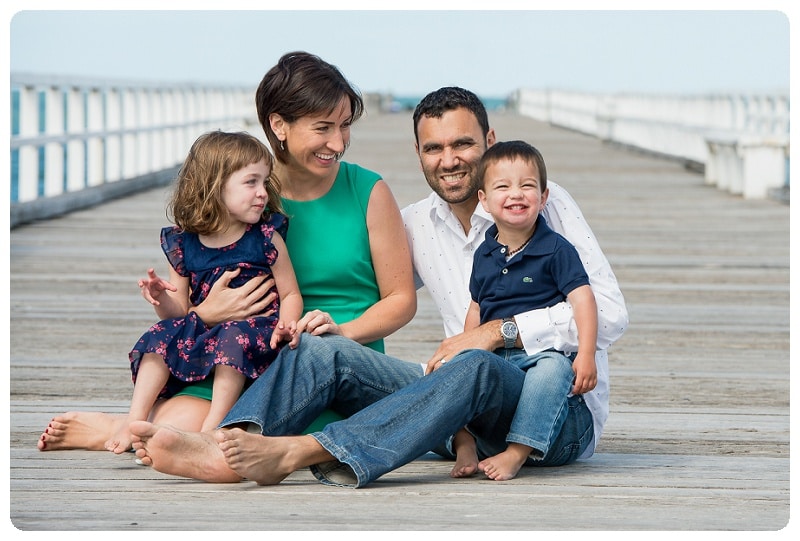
x=394, y=415
x=542, y=407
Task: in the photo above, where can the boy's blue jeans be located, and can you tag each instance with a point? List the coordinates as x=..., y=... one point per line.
x=394, y=413
x=542, y=408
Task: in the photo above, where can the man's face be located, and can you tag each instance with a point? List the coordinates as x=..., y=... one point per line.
x=449, y=149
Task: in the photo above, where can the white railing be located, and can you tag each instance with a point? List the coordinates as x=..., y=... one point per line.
x=73, y=136
x=740, y=141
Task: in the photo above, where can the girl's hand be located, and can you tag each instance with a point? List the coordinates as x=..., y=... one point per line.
x=153, y=286
x=284, y=332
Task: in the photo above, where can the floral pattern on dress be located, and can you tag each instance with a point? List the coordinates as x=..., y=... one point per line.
x=188, y=346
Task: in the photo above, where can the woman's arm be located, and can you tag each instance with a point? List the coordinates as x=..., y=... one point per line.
x=224, y=303
x=391, y=259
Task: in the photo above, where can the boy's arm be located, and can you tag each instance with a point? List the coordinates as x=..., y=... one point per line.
x=556, y=326
x=585, y=314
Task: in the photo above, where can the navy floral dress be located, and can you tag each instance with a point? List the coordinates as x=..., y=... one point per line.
x=188, y=346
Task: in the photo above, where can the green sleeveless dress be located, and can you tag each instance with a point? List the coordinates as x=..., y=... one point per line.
x=328, y=242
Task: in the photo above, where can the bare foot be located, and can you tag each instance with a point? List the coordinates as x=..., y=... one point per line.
x=466, y=455
x=87, y=430
x=265, y=460
x=186, y=454
x=505, y=466
x=121, y=441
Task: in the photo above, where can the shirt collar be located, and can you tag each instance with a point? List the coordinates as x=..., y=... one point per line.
x=542, y=243
x=440, y=210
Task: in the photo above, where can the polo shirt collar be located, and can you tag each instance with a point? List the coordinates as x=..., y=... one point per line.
x=542, y=243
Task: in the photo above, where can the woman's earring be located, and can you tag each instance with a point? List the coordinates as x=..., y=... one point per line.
x=282, y=147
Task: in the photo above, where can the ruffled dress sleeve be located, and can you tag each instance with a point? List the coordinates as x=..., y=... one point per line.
x=276, y=222
x=172, y=243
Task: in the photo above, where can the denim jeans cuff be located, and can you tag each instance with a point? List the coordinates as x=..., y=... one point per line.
x=335, y=473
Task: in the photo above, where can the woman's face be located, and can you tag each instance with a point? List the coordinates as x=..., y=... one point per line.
x=317, y=142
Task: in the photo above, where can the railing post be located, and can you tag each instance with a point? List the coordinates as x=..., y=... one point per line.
x=113, y=116
x=28, y=155
x=76, y=148
x=129, y=138
x=94, y=144
x=54, y=152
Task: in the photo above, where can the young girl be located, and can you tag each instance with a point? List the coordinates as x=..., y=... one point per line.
x=227, y=213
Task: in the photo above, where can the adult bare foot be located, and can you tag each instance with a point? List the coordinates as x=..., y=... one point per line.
x=87, y=430
x=256, y=457
x=186, y=454
x=268, y=460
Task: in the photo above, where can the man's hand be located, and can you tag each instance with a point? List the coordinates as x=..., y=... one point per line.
x=236, y=304
x=486, y=336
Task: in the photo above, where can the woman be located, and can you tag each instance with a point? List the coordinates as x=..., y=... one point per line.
x=345, y=238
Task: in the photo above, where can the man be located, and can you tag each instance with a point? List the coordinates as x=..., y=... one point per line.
x=394, y=414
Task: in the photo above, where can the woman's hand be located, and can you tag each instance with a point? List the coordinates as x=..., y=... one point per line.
x=225, y=303
x=317, y=322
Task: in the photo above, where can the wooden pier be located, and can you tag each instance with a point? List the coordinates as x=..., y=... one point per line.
x=698, y=435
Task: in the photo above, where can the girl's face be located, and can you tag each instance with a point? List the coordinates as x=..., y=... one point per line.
x=512, y=193
x=316, y=142
x=245, y=193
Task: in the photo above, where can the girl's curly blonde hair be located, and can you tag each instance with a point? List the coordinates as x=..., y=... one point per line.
x=196, y=205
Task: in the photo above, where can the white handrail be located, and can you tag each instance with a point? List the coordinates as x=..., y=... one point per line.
x=73, y=134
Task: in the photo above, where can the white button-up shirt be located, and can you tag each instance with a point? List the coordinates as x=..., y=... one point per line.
x=442, y=253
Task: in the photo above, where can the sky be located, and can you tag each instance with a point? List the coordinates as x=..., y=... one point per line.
x=693, y=50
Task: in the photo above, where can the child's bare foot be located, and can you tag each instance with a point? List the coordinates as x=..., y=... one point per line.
x=466, y=455
x=87, y=430
x=265, y=460
x=188, y=454
x=505, y=466
x=121, y=441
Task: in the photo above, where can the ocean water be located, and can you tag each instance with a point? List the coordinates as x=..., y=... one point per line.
x=409, y=103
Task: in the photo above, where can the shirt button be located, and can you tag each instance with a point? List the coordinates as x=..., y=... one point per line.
x=502, y=250
x=505, y=271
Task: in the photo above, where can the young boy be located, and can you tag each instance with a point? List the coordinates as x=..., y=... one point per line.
x=522, y=265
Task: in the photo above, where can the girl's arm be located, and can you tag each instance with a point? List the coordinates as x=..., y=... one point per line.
x=169, y=299
x=291, y=302
x=584, y=309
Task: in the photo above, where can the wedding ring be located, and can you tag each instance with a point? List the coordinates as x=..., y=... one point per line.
x=442, y=360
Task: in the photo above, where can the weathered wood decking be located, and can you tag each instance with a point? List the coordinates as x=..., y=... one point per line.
x=698, y=437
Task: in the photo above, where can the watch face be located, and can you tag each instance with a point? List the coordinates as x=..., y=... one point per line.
x=509, y=329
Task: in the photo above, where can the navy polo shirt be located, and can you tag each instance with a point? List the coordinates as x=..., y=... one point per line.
x=541, y=275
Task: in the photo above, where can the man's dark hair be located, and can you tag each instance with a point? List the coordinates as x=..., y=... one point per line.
x=446, y=99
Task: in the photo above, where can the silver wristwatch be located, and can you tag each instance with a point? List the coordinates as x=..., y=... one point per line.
x=509, y=332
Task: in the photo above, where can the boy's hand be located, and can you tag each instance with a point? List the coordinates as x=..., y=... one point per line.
x=585, y=373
